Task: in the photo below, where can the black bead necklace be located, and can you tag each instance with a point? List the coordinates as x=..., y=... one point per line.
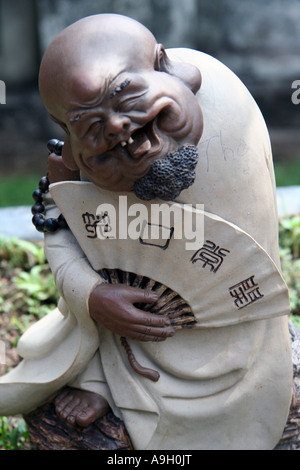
x=38, y=209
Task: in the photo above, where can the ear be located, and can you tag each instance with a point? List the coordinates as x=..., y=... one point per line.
x=67, y=155
x=188, y=73
x=161, y=63
x=60, y=123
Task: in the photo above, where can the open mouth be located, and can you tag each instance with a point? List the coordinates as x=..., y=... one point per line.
x=142, y=142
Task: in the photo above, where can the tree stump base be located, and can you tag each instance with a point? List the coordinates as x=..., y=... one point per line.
x=290, y=439
x=48, y=432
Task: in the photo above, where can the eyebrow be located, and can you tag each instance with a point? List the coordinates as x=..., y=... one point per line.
x=119, y=88
x=73, y=119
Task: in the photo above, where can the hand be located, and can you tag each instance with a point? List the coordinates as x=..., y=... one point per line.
x=57, y=171
x=112, y=306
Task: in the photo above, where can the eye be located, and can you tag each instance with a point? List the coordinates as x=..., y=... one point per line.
x=131, y=102
x=95, y=127
x=128, y=104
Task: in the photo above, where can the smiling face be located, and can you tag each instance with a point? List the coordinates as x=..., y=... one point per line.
x=120, y=111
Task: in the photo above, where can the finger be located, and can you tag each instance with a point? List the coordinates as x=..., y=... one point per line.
x=147, y=333
x=137, y=295
x=147, y=338
x=150, y=319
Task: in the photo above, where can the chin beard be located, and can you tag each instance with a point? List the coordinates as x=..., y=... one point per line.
x=168, y=177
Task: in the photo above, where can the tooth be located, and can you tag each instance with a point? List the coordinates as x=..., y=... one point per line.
x=123, y=143
x=130, y=141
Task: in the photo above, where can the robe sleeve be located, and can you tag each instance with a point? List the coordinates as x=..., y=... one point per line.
x=74, y=277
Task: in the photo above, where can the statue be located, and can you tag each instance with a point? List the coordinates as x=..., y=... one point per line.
x=188, y=347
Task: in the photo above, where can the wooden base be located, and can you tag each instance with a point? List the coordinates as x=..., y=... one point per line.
x=291, y=436
x=48, y=432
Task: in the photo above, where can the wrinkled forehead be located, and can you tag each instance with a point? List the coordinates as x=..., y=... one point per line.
x=94, y=80
x=75, y=64
x=89, y=85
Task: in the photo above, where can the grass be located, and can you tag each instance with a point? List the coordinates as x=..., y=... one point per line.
x=17, y=190
x=287, y=173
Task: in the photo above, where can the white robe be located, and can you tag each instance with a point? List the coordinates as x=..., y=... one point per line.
x=225, y=384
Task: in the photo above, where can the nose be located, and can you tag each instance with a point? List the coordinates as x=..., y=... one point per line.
x=117, y=126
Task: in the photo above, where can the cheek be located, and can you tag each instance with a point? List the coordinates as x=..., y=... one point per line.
x=170, y=118
x=182, y=120
x=101, y=166
x=90, y=160
x=109, y=177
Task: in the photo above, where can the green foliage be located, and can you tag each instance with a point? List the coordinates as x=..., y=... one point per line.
x=289, y=241
x=289, y=235
x=291, y=274
x=32, y=289
x=28, y=292
x=16, y=253
x=38, y=285
x=13, y=433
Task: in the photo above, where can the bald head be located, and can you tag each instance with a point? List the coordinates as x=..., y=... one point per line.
x=122, y=103
x=95, y=43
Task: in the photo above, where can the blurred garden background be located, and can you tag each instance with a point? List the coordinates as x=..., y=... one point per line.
x=259, y=41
